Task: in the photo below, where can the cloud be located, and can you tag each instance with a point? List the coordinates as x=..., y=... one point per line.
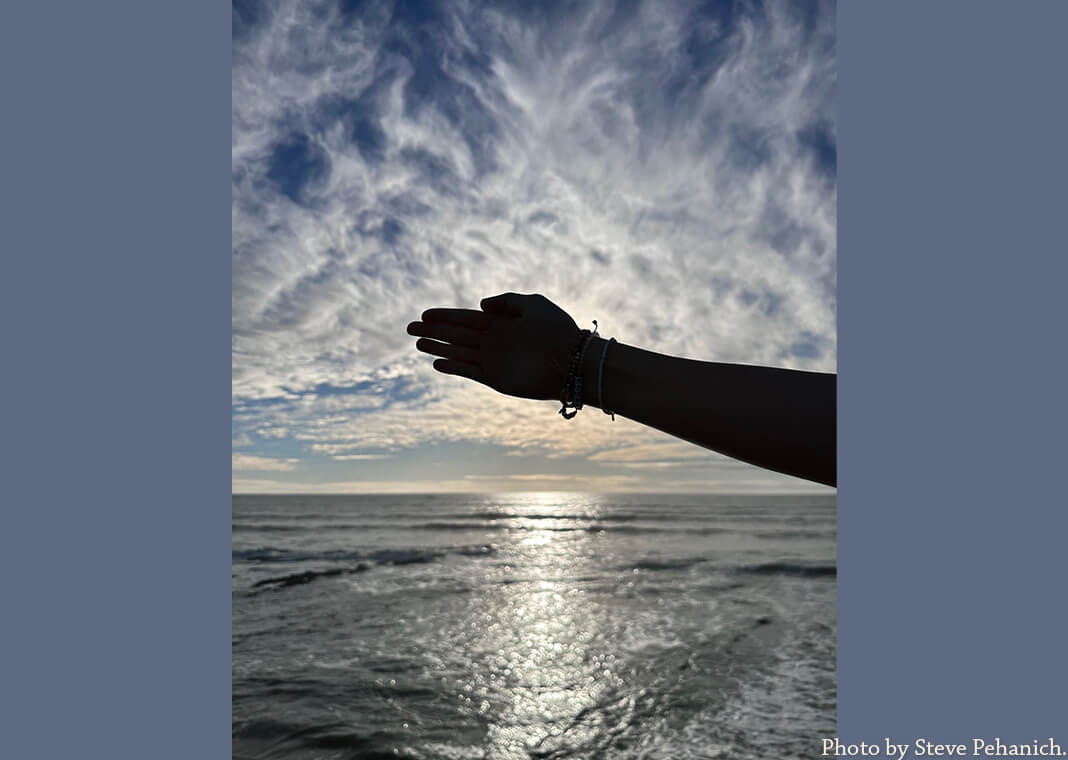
x=653, y=451
x=662, y=168
x=244, y=462
x=272, y=432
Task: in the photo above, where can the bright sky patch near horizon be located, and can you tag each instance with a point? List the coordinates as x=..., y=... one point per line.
x=666, y=168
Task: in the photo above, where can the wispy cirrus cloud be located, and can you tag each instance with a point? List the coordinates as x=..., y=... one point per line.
x=666, y=168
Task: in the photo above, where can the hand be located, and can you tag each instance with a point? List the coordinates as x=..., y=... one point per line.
x=518, y=344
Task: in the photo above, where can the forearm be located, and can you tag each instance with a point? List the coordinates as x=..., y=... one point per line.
x=780, y=419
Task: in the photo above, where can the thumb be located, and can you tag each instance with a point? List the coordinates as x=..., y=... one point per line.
x=505, y=303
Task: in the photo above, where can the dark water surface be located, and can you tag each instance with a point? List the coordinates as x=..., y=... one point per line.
x=546, y=625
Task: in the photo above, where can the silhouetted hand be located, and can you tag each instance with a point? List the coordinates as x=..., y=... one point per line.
x=781, y=419
x=518, y=344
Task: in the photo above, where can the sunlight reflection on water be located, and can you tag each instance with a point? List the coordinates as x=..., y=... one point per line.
x=564, y=638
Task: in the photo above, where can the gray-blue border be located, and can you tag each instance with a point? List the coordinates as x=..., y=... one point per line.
x=114, y=301
x=115, y=294
x=952, y=410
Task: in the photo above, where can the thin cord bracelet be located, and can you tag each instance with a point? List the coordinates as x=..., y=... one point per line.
x=600, y=380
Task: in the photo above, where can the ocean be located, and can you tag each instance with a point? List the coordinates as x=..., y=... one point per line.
x=533, y=625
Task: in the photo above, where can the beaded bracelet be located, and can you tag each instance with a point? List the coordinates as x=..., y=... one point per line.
x=564, y=399
x=576, y=389
x=571, y=394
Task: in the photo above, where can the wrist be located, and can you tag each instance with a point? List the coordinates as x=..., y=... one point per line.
x=591, y=364
x=557, y=363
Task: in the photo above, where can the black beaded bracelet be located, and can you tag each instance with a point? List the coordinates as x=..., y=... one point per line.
x=565, y=397
x=571, y=394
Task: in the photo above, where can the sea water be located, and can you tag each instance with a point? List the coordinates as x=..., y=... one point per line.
x=533, y=625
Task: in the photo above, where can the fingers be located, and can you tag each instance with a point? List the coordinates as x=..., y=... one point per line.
x=461, y=336
x=469, y=318
x=463, y=369
x=505, y=304
x=459, y=353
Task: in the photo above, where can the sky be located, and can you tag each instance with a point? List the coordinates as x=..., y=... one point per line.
x=666, y=168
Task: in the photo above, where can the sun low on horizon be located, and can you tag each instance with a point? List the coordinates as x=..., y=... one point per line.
x=667, y=169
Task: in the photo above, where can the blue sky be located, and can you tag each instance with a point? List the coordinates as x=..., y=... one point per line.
x=666, y=168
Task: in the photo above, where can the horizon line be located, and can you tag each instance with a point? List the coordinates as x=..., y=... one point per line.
x=441, y=493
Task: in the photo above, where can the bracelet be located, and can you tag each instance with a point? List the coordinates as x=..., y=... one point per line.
x=576, y=389
x=571, y=394
x=565, y=398
x=600, y=380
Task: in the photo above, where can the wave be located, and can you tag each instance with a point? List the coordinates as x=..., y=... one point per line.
x=298, y=579
x=271, y=554
x=452, y=526
x=766, y=568
x=624, y=517
x=587, y=528
x=269, y=738
x=789, y=569
x=607, y=524
x=779, y=534
x=475, y=551
x=663, y=564
x=405, y=556
x=386, y=558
